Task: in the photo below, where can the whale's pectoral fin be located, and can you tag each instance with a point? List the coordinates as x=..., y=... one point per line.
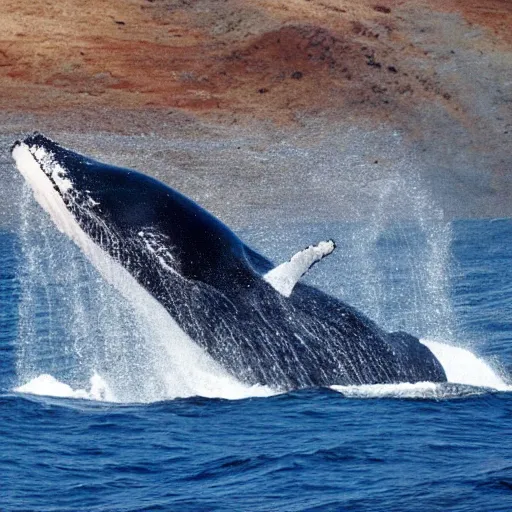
x=285, y=276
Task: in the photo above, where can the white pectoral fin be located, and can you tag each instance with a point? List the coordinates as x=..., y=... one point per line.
x=284, y=277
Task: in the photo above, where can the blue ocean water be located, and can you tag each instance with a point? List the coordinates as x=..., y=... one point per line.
x=314, y=450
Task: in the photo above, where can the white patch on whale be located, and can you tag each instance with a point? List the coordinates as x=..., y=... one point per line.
x=284, y=277
x=52, y=168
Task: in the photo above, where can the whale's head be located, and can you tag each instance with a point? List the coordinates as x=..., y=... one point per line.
x=115, y=197
x=106, y=203
x=122, y=211
x=48, y=169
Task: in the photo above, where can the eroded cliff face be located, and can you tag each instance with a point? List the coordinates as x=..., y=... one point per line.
x=439, y=72
x=265, y=59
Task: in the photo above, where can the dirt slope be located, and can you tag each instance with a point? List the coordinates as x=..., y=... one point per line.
x=266, y=59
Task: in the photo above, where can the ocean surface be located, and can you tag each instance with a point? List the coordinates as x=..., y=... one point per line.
x=93, y=416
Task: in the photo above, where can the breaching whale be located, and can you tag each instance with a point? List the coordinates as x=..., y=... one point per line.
x=255, y=319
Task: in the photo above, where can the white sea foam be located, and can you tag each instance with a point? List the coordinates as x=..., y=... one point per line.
x=99, y=390
x=464, y=367
x=47, y=385
x=402, y=390
x=466, y=374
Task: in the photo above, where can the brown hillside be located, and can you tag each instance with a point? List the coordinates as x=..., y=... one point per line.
x=265, y=59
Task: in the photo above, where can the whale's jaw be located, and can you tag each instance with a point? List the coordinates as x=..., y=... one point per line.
x=48, y=182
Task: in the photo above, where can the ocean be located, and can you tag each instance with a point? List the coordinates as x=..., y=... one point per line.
x=98, y=411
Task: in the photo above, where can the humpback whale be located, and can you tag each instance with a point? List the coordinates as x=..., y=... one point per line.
x=255, y=319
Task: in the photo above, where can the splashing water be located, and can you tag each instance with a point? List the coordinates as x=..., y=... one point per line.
x=397, y=270
x=73, y=324
x=464, y=367
x=467, y=374
x=47, y=385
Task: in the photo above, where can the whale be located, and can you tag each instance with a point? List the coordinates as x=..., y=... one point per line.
x=253, y=317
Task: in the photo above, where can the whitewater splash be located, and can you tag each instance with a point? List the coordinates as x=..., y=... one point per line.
x=464, y=367
x=467, y=374
x=47, y=385
x=161, y=362
x=99, y=390
x=90, y=327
